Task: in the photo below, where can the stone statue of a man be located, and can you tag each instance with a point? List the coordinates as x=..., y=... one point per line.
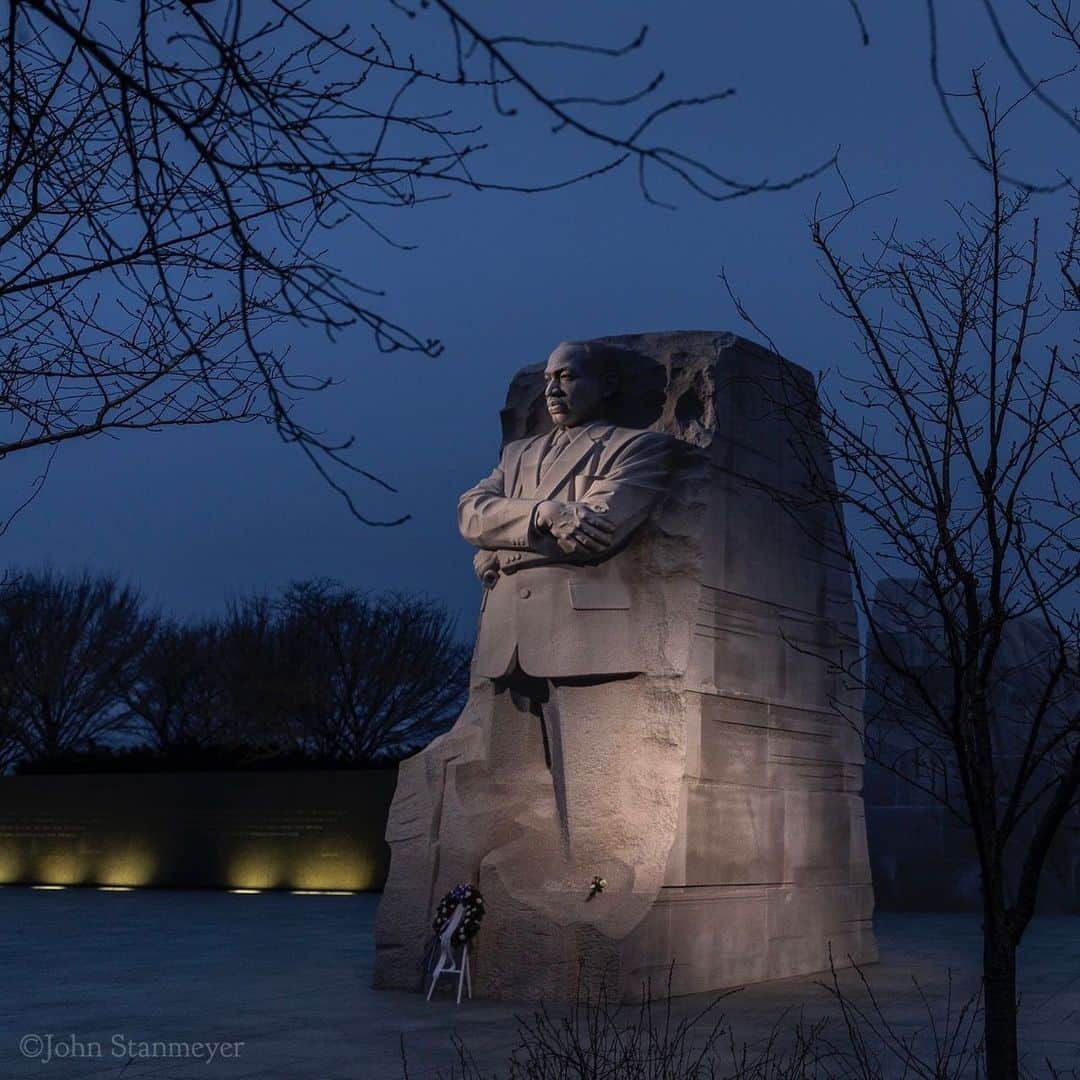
x=551, y=521
x=654, y=698
x=558, y=621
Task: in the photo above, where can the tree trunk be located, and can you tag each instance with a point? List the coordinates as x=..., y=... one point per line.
x=999, y=990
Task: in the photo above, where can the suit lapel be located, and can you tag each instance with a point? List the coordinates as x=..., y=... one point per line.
x=587, y=442
x=523, y=482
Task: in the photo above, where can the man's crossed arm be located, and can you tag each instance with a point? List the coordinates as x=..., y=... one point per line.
x=536, y=532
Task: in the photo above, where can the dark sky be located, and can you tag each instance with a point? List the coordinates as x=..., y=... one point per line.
x=192, y=517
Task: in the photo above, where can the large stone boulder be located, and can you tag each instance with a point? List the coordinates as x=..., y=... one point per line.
x=729, y=825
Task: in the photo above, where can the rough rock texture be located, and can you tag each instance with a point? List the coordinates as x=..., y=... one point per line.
x=722, y=789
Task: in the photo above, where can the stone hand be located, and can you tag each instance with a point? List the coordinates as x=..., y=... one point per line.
x=576, y=526
x=486, y=565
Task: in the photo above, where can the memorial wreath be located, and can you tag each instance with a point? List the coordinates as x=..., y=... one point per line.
x=468, y=896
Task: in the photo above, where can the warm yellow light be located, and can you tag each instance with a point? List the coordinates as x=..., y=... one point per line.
x=114, y=888
x=60, y=869
x=256, y=869
x=245, y=891
x=350, y=872
x=49, y=888
x=10, y=866
x=126, y=868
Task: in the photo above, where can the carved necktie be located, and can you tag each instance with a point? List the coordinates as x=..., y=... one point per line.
x=559, y=442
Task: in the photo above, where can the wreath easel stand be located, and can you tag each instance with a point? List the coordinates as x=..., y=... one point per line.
x=447, y=964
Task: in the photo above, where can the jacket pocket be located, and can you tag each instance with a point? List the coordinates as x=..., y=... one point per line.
x=599, y=596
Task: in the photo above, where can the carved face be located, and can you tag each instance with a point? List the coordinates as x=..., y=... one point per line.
x=574, y=391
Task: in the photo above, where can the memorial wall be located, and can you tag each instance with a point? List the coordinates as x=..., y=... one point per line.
x=218, y=830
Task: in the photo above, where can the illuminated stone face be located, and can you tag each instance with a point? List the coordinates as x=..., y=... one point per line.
x=575, y=390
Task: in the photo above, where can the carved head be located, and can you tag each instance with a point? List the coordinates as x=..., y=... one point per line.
x=580, y=381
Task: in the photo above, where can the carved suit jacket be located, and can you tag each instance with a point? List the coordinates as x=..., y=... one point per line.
x=552, y=614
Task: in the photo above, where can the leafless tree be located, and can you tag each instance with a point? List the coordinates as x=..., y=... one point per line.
x=384, y=673
x=175, y=699
x=171, y=173
x=11, y=745
x=67, y=646
x=259, y=679
x=1044, y=88
x=318, y=669
x=956, y=455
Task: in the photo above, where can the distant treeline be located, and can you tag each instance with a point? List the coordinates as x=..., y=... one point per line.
x=314, y=675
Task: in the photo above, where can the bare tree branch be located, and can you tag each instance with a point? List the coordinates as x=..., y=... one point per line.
x=173, y=174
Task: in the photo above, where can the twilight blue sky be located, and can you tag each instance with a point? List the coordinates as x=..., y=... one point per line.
x=192, y=517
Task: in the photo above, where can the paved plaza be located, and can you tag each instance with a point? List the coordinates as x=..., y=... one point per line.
x=277, y=987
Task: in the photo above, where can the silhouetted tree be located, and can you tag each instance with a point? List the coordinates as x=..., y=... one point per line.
x=171, y=172
x=11, y=744
x=11, y=747
x=956, y=451
x=901, y=733
x=318, y=668
x=259, y=677
x=384, y=675
x=175, y=698
x=69, y=647
x=1046, y=89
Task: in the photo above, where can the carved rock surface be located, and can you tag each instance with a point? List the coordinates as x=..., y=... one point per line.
x=724, y=803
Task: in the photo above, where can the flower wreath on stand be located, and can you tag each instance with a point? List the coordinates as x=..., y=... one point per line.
x=469, y=896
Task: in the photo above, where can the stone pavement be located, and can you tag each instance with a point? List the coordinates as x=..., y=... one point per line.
x=288, y=977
